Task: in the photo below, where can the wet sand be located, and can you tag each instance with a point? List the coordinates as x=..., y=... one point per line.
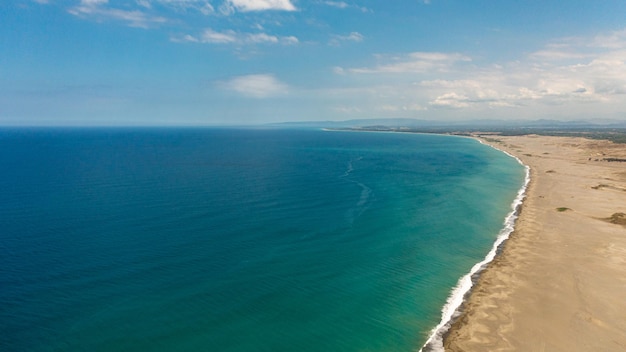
x=560, y=281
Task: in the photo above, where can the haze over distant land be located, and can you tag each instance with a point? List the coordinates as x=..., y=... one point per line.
x=241, y=62
x=402, y=124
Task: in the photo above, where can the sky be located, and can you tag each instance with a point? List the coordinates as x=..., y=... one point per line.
x=239, y=62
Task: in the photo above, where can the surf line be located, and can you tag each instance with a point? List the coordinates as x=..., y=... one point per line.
x=451, y=309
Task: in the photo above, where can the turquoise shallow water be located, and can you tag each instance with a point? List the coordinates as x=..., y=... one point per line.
x=239, y=240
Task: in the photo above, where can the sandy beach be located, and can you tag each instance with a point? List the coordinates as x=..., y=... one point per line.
x=560, y=282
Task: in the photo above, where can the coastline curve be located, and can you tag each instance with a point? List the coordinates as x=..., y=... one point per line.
x=452, y=309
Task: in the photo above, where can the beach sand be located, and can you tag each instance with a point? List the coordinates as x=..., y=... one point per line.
x=560, y=282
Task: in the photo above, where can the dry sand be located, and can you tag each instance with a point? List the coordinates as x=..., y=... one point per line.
x=560, y=282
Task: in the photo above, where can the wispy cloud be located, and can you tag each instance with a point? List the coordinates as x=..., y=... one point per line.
x=261, y=5
x=550, y=54
x=336, y=40
x=513, y=86
x=100, y=11
x=337, y=4
x=401, y=108
x=417, y=62
x=202, y=6
x=144, y=3
x=565, y=76
x=256, y=86
x=613, y=40
x=452, y=99
x=209, y=36
x=344, y=5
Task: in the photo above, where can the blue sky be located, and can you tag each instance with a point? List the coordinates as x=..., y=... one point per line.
x=199, y=62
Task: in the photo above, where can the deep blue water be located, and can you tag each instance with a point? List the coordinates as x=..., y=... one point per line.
x=239, y=240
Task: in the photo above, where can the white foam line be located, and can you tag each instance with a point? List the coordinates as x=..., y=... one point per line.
x=450, y=310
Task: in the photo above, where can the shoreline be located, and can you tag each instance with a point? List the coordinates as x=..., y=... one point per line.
x=557, y=282
x=453, y=308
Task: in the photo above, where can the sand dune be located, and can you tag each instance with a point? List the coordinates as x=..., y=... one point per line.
x=560, y=283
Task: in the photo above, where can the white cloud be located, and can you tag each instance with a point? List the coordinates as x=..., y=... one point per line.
x=143, y=16
x=417, y=62
x=186, y=38
x=261, y=38
x=289, y=40
x=452, y=100
x=344, y=5
x=558, y=52
x=262, y=5
x=447, y=84
x=144, y=3
x=352, y=37
x=93, y=2
x=556, y=55
x=438, y=57
x=97, y=9
x=567, y=76
x=338, y=4
x=202, y=6
x=614, y=40
x=339, y=70
x=227, y=9
x=256, y=86
x=210, y=36
x=494, y=89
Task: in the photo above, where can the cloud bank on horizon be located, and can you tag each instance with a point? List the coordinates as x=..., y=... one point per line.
x=112, y=62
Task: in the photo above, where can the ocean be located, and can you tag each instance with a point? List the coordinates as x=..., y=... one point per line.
x=217, y=239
